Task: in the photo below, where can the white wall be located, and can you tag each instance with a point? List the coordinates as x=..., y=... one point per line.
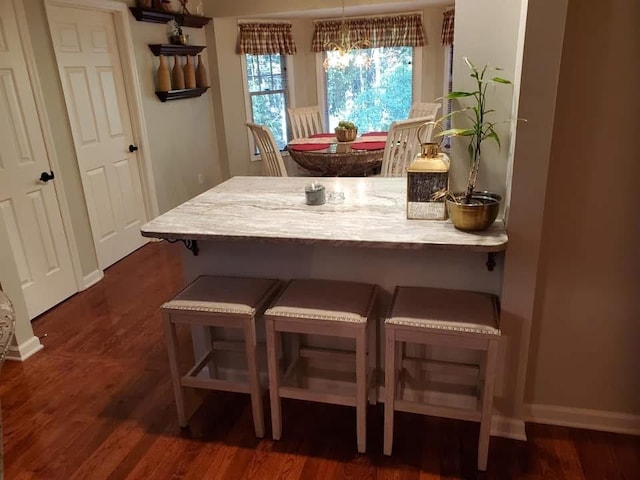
x=486, y=32
x=182, y=133
x=585, y=347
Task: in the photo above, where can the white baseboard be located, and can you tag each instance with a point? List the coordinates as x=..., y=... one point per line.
x=91, y=279
x=23, y=351
x=507, y=427
x=583, y=418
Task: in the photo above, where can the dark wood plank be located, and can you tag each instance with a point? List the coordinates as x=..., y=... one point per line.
x=96, y=403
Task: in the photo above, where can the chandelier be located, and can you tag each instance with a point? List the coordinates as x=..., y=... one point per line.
x=339, y=54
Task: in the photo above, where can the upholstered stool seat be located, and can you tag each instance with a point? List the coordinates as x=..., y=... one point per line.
x=323, y=308
x=227, y=302
x=446, y=319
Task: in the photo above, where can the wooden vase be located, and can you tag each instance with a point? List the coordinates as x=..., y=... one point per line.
x=201, y=74
x=189, y=74
x=163, y=76
x=177, y=74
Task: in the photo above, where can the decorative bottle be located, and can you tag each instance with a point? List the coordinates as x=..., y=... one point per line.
x=177, y=74
x=201, y=74
x=189, y=74
x=164, y=78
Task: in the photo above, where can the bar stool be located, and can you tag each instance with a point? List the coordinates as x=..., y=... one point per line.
x=229, y=302
x=444, y=318
x=328, y=308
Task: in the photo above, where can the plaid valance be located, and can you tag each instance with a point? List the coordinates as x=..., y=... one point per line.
x=447, y=27
x=266, y=39
x=398, y=31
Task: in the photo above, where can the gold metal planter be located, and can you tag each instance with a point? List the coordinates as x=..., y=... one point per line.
x=476, y=215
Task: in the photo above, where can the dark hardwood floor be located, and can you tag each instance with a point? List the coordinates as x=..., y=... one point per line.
x=96, y=403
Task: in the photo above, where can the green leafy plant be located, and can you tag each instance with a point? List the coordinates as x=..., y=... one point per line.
x=482, y=128
x=345, y=125
x=175, y=26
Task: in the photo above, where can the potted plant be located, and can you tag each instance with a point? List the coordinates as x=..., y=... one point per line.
x=346, y=131
x=472, y=210
x=176, y=35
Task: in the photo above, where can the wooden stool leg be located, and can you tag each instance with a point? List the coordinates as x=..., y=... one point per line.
x=487, y=405
x=254, y=378
x=361, y=388
x=372, y=359
x=172, y=351
x=212, y=365
x=274, y=378
x=389, y=387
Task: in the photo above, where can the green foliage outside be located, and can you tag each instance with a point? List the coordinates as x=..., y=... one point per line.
x=270, y=110
x=266, y=78
x=373, y=91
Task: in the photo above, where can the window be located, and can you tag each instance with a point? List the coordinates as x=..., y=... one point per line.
x=372, y=90
x=268, y=93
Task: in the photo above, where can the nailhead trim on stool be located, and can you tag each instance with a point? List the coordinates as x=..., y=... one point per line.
x=453, y=318
x=228, y=302
x=323, y=307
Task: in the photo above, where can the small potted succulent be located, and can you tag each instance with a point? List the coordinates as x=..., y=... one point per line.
x=472, y=210
x=346, y=131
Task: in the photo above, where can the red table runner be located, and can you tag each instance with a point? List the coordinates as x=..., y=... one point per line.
x=368, y=145
x=308, y=147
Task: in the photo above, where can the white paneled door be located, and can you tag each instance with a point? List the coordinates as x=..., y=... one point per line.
x=29, y=207
x=90, y=69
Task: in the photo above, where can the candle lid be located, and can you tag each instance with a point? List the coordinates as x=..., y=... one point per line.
x=313, y=187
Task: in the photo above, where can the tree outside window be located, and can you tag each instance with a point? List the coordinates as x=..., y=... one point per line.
x=373, y=90
x=268, y=93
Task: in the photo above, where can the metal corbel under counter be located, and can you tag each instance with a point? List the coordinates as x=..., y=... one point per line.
x=261, y=226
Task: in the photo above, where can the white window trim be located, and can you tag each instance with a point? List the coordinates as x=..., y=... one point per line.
x=247, y=109
x=247, y=102
x=416, y=93
x=321, y=86
x=245, y=88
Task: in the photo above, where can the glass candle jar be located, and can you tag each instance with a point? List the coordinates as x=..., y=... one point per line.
x=314, y=194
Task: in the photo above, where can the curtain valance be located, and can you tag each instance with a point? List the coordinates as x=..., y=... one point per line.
x=447, y=27
x=266, y=39
x=397, y=31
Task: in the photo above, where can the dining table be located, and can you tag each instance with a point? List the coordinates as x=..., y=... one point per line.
x=322, y=154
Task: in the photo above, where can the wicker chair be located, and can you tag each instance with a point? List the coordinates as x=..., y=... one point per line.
x=7, y=327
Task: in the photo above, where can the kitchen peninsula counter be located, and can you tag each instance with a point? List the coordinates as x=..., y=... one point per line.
x=273, y=209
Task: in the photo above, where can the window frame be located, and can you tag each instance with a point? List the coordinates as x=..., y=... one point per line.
x=288, y=80
x=447, y=105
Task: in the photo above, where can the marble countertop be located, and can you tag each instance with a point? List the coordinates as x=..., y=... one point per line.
x=273, y=209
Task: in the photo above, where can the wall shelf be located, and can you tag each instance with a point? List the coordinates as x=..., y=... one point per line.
x=178, y=94
x=155, y=16
x=169, y=50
